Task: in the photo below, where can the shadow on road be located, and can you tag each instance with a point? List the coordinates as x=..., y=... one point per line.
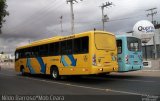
x=91, y=79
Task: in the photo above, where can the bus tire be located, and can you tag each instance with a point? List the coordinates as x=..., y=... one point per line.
x=104, y=74
x=107, y=73
x=22, y=70
x=54, y=73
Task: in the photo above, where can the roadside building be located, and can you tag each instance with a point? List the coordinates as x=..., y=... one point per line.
x=150, y=44
x=6, y=57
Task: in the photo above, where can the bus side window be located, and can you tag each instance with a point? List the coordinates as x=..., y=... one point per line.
x=69, y=48
x=51, y=49
x=119, y=46
x=17, y=56
x=77, y=46
x=81, y=45
x=43, y=50
x=56, y=50
x=85, y=42
x=63, y=47
x=35, y=51
x=136, y=46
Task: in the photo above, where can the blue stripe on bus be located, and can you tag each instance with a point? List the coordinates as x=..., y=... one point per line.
x=63, y=61
x=29, y=66
x=72, y=60
x=43, y=66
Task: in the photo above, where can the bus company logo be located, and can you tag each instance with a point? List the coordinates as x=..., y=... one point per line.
x=146, y=29
x=99, y=60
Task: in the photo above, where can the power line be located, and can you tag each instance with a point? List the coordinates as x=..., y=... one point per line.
x=30, y=18
x=31, y=21
x=152, y=13
x=105, y=17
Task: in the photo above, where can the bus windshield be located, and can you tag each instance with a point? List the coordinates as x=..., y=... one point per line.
x=105, y=41
x=134, y=44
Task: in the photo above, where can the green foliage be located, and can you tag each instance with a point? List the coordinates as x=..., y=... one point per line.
x=3, y=12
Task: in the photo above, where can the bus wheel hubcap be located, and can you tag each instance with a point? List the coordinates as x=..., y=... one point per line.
x=54, y=74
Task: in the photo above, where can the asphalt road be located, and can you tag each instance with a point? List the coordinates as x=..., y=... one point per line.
x=116, y=85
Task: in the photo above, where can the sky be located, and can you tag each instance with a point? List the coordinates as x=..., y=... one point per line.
x=31, y=20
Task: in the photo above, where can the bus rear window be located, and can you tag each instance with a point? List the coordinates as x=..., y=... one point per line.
x=134, y=44
x=119, y=46
x=105, y=41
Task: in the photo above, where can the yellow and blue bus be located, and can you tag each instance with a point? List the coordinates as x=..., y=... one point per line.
x=92, y=52
x=129, y=53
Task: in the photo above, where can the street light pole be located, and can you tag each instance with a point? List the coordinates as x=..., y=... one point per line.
x=72, y=14
x=154, y=41
x=105, y=17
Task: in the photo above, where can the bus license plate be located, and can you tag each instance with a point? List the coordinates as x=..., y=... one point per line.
x=135, y=62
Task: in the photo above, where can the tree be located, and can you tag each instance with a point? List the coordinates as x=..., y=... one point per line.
x=3, y=12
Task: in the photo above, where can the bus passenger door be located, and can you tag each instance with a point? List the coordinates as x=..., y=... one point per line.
x=120, y=55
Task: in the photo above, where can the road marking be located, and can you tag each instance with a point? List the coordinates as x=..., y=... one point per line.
x=133, y=80
x=79, y=86
x=151, y=70
x=122, y=79
x=138, y=80
x=87, y=87
x=6, y=74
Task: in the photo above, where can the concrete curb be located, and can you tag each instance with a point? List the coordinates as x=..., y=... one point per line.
x=151, y=70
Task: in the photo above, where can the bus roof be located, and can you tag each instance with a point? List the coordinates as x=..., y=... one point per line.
x=124, y=35
x=58, y=38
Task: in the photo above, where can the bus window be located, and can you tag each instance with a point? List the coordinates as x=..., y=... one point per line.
x=51, y=48
x=56, y=49
x=85, y=45
x=81, y=45
x=119, y=46
x=105, y=41
x=43, y=50
x=69, y=47
x=134, y=44
x=16, y=55
x=35, y=51
x=77, y=45
x=20, y=53
x=63, y=47
x=27, y=52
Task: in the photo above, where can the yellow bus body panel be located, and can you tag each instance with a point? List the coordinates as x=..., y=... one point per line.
x=84, y=65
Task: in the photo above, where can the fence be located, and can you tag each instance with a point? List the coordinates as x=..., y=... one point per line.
x=150, y=51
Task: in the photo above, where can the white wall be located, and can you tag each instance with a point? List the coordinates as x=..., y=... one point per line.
x=157, y=38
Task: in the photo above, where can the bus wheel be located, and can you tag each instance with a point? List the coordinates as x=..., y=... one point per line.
x=107, y=73
x=102, y=74
x=55, y=73
x=22, y=70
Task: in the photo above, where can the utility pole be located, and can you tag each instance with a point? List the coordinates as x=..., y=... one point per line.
x=72, y=14
x=105, y=17
x=152, y=15
x=61, y=24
